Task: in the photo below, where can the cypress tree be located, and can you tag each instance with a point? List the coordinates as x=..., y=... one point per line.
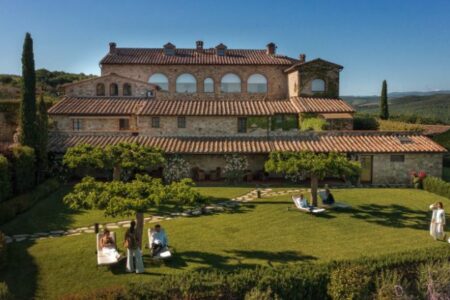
x=28, y=103
x=384, y=109
x=42, y=139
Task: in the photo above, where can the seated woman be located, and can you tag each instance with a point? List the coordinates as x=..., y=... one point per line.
x=303, y=203
x=159, y=240
x=329, y=198
x=108, y=245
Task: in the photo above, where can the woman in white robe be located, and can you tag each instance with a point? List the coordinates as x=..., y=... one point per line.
x=437, y=221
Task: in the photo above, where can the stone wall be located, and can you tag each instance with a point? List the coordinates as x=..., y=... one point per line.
x=277, y=83
x=91, y=124
x=387, y=172
x=87, y=88
x=211, y=161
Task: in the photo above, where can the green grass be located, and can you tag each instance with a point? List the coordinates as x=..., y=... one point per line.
x=262, y=232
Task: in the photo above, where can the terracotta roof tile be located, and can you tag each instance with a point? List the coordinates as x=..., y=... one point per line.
x=349, y=142
x=97, y=106
x=156, y=56
x=321, y=105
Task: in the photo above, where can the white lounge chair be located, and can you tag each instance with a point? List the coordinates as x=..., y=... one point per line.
x=105, y=259
x=315, y=210
x=322, y=194
x=164, y=253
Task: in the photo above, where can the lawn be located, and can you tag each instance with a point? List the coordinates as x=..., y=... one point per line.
x=262, y=232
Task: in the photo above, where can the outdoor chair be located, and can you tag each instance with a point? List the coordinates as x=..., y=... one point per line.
x=105, y=259
x=315, y=210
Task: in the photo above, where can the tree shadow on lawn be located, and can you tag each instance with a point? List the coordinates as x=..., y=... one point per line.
x=394, y=215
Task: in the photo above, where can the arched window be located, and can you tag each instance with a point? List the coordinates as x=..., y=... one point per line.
x=231, y=83
x=257, y=83
x=318, y=85
x=160, y=80
x=126, y=89
x=208, y=85
x=100, y=89
x=113, y=89
x=186, y=83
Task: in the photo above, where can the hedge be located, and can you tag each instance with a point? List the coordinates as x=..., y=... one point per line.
x=437, y=186
x=365, y=122
x=352, y=279
x=24, y=166
x=14, y=206
x=2, y=250
x=5, y=179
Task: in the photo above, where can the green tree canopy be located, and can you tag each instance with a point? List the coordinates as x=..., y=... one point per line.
x=42, y=139
x=312, y=165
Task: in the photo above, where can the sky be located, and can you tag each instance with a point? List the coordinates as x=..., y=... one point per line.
x=406, y=42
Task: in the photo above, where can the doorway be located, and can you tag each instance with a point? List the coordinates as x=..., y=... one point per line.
x=366, y=168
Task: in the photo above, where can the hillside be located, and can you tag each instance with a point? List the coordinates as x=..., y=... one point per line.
x=435, y=106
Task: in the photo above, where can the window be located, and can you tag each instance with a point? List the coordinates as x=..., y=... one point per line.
x=181, y=122
x=231, y=83
x=257, y=83
x=155, y=122
x=100, y=89
x=160, y=80
x=77, y=124
x=124, y=124
x=208, y=85
x=221, y=52
x=284, y=122
x=242, y=125
x=397, y=158
x=113, y=89
x=186, y=83
x=126, y=89
x=318, y=85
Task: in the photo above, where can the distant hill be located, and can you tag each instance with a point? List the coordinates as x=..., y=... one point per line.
x=434, y=106
x=46, y=80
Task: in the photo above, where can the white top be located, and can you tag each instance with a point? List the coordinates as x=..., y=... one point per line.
x=439, y=217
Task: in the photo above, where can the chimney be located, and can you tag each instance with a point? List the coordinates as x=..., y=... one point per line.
x=271, y=48
x=302, y=57
x=199, y=46
x=112, y=47
x=169, y=49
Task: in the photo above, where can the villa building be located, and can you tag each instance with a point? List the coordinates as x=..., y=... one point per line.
x=203, y=103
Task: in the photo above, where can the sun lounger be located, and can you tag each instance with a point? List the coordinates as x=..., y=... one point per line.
x=315, y=210
x=164, y=253
x=323, y=196
x=104, y=259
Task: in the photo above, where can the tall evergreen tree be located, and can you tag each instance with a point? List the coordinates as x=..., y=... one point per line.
x=42, y=139
x=28, y=104
x=384, y=109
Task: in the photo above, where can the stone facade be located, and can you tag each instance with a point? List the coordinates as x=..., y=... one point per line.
x=386, y=171
x=90, y=124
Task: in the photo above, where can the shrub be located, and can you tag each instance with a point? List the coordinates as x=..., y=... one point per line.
x=4, y=292
x=12, y=207
x=2, y=250
x=182, y=192
x=437, y=186
x=176, y=168
x=391, y=285
x=235, y=168
x=257, y=294
x=388, y=125
x=23, y=159
x=365, y=122
x=313, y=124
x=434, y=280
x=349, y=282
x=5, y=179
x=108, y=293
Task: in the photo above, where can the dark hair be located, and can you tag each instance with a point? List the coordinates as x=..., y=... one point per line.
x=440, y=205
x=157, y=226
x=132, y=226
x=106, y=230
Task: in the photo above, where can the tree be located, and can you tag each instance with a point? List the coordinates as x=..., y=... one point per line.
x=384, y=109
x=28, y=103
x=315, y=166
x=42, y=140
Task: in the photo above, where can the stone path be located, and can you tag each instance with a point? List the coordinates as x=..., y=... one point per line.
x=234, y=202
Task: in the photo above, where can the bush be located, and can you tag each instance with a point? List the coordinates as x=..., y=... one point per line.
x=23, y=160
x=4, y=292
x=2, y=250
x=437, y=186
x=349, y=282
x=176, y=168
x=391, y=285
x=14, y=206
x=313, y=124
x=108, y=293
x=365, y=122
x=434, y=280
x=235, y=168
x=388, y=125
x=5, y=179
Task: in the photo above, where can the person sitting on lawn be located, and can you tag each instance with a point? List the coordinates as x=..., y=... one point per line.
x=303, y=203
x=160, y=240
x=108, y=245
x=329, y=198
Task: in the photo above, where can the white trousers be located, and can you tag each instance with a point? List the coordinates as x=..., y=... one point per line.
x=437, y=230
x=137, y=264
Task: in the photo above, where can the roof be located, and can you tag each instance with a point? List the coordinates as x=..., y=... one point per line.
x=216, y=107
x=207, y=107
x=156, y=56
x=433, y=130
x=347, y=142
x=301, y=64
x=322, y=105
x=97, y=106
x=105, y=76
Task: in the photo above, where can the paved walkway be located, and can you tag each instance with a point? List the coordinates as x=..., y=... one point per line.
x=234, y=202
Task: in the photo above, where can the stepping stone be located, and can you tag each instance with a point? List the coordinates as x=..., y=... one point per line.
x=73, y=230
x=19, y=236
x=82, y=228
x=8, y=239
x=127, y=225
x=196, y=212
x=57, y=232
x=168, y=218
x=109, y=227
x=123, y=222
x=89, y=231
x=20, y=239
x=74, y=234
x=147, y=219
